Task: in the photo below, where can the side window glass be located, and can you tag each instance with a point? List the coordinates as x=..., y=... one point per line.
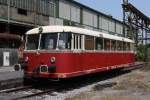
x=113, y=45
x=49, y=41
x=119, y=45
x=107, y=44
x=124, y=46
x=128, y=47
x=32, y=42
x=64, y=41
x=89, y=43
x=132, y=46
x=99, y=44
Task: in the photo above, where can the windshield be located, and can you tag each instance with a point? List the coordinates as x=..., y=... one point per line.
x=32, y=42
x=49, y=41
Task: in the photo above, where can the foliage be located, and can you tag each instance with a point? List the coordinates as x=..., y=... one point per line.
x=141, y=52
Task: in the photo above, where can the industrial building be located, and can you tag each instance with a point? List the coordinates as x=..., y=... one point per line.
x=18, y=16
x=22, y=15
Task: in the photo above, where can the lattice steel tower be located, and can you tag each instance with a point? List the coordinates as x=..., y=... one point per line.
x=138, y=23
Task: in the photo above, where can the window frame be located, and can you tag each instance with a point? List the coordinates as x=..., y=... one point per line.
x=77, y=41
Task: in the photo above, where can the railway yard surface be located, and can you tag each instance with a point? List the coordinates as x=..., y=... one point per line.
x=114, y=85
x=134, y=85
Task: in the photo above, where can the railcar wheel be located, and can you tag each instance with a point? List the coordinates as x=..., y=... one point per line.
x=120, y=69
x=28, y=81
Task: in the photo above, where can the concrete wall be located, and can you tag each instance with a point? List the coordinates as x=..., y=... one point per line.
x=42, y=20
x=3, y=11
x=13, y=56
x=29, y=18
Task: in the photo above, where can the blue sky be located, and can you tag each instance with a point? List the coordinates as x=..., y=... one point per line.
x=114, y=8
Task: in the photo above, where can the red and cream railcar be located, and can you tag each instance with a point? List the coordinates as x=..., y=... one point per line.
x=65, y=52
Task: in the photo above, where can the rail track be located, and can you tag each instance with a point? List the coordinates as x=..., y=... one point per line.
x=26, y=88
x=60, y=86
x=15, y=89
x=135, y=66
x=49, y=91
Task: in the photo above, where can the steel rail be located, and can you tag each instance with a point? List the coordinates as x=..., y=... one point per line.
x=33, y=95
x=134, y=66
x=15, y=89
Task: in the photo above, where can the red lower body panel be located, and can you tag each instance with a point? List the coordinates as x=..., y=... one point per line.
x=76, y=64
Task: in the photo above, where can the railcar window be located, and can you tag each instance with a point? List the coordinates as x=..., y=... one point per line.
x=49, y=41
x=80, y=42
x=99, y=44
x=64, y=41
x=77, y=41
x=113, y=45
x=132, y=46
x=89, y=43
x=74, y=41
x=107, y=44
x=124, y=46
x=32, y=42
x=119, y=45
x=128, y=46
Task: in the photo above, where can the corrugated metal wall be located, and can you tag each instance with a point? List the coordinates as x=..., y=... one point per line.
x=112, y=26
x=55, y=21
x=68, y=14
x=64, y=10
x=69, y=11
x=119, y=28
x=105, y=24
x=75, y=13
x=90, y=19
x=45, y=7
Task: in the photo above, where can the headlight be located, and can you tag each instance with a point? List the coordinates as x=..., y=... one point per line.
x=43, y=68
x=53, y=59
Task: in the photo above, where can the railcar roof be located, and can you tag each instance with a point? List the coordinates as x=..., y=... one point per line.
x=54, y=29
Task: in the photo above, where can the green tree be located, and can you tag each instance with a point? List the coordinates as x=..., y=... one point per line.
x=141, y=53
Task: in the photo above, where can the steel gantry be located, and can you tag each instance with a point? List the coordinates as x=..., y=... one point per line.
x=137, y=22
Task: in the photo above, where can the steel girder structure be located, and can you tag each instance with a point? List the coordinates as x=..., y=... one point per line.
x=138, y=23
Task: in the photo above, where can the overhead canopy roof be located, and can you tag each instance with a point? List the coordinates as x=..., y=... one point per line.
x=9, y=36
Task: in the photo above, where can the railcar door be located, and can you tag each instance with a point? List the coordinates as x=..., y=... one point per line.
x=6, y=59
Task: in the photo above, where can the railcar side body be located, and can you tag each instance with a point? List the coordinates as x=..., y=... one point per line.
x=64, y=52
